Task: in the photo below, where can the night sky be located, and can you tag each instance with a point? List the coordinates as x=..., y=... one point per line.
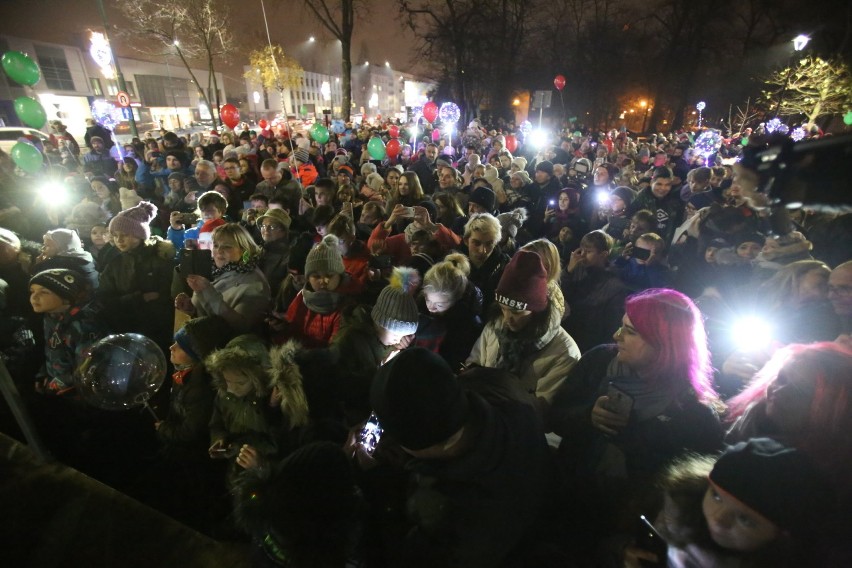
x=378, y=37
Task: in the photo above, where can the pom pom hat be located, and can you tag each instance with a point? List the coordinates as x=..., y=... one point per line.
x=395, y=309
x=135, y=221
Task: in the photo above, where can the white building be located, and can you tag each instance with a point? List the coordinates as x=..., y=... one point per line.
x=160, y=93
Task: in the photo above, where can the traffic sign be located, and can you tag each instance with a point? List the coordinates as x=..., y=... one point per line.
x=126, y=113
x=123, y=99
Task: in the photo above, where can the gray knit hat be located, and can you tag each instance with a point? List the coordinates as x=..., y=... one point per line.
x=66, y=240
x=301, y=155
x=325, y=257
x=396, y=310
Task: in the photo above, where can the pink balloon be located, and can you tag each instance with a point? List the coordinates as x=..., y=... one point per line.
x=430, y=111
x=559, y=82
x=392, y=148
x=393, y=131
x=436, y=135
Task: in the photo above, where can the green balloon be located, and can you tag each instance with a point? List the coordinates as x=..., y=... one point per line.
x=20, y=68
x=744, y=141
x=847, y=118
x=578, y=133
x=30, y=112
x=27, y=157
x=376, y=148
x=319, y=132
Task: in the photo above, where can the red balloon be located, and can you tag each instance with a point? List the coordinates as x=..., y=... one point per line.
x=230, y=116
x=262, y=123
x=511, y=143
x=392, y=148
x=430, y=111
x=559, y=82
x=393, y=130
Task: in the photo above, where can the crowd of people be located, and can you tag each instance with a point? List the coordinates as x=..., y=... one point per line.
x=481, y=358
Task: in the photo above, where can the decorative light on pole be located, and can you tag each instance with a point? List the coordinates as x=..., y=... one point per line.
x=700, y=106
x=800, y=41
x=644, y=105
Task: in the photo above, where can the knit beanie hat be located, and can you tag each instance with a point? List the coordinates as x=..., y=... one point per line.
x=777, y=481
x=367, y=168
x=749, y=237
x=512, y=221
x=346, y=169
x=395, y=309
x=523, y=285
x=135, y=221
x=524, y=176
x=520, y=162
x=200, y=337
x=544, y=166
x=484, y=197
x=325, y=258
x=644, y=152
x=624, y=193
x=128, y=197
x=67, y=284
x=301, y=155
x=491, y=173
x=180, y=176
x=10, y=238
x=418, y=399
x=66, y=240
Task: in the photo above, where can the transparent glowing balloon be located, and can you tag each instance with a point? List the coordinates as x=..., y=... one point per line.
x=120, y=371
x=450, y=113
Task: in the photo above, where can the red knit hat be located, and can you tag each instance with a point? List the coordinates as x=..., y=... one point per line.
x=523, y=285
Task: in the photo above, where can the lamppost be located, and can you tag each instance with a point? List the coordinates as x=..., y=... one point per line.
x=644, y=105
x=118, y=74
x=799, y=43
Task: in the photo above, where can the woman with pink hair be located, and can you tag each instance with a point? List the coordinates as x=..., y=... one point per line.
x=625, y=410
x=803, y=397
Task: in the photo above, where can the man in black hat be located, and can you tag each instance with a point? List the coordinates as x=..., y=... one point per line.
x=480, y=471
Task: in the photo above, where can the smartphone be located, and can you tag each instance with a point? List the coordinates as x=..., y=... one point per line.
x=409, y=211
x=371, y=434
x=619, y=402
x=380, y=261
x=220, y=453
x=647, y=538
x=198, y=262
x=640, y=253
x=552, y=202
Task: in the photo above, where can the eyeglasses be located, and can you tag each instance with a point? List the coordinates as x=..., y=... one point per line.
x=270, y=227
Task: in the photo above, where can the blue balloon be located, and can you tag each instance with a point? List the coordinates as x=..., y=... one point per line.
x=338, y=126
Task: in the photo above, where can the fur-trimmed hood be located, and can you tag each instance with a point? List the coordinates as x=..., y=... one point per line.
x=286, y=376
x=247, y=354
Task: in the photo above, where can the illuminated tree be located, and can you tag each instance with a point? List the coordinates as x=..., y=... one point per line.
x=813, y=87
x=274, y=69
x=194, y=30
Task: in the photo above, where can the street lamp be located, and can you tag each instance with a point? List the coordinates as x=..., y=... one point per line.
x=799, y=43
x=644, y=105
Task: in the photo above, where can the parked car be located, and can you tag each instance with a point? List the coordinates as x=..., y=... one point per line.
x=9, y=136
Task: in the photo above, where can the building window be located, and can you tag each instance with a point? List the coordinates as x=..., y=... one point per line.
x=97, y=89
x=54, y=68
x=131, y=89
x=112, y=88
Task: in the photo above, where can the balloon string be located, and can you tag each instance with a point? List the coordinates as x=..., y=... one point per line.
x=151, y=410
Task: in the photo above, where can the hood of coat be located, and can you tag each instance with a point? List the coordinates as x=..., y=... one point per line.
x=246, y=354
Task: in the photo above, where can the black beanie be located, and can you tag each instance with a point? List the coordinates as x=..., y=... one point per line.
x=67, y=284
x=483, y=197
x=418, y=399
x=777, y=481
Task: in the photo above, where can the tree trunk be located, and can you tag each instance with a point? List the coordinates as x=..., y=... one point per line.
x=346, y=87
x=214, y=115
x=215, y=83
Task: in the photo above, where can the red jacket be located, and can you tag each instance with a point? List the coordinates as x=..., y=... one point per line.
x=314, y=330
x=398, y=248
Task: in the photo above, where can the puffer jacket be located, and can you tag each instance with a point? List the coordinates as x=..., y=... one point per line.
x=242, y=299
x=543, y=370
x=190, y=407
x=66, y=335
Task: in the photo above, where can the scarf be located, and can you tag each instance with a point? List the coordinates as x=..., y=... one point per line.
x=180, y=374
x=517, y=347
x=650, y=398
x=322, y=302
x=241, y=267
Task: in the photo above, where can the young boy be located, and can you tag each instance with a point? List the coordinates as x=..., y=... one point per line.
x=71, y=324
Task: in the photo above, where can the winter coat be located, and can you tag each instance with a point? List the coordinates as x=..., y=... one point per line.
x=453, y=333
x=397, y=245
x=273, y=262
x=615, y=470
x=638, y=277
x=487, y=276
x=595, y=305
x=543, y=365
x=66, y=335
x=474, y=509
x=147, y=268
x=242, y=299
x=310, y=327
x=668, y=211
x=186, y=428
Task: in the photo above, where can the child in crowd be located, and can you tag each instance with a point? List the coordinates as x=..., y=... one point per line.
x=71, y=324
x=211, y=209
x=101, y=247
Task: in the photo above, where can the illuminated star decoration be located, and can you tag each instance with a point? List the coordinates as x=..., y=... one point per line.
x=700, y=106
x=105, y=113
x=798, y=134
x=449, y=113
x=708, y=143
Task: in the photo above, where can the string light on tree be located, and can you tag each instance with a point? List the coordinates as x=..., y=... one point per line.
x=775, y=125
x=798, y=134
x=700, y=106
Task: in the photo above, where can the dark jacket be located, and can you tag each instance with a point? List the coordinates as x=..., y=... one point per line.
x=425, y=171
x=273, y=262
x=487, y=276
x=452, y=333
x=147, y=268
x=595, y=305
x=185, y=430
x=66, y=335
x=668, y=211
